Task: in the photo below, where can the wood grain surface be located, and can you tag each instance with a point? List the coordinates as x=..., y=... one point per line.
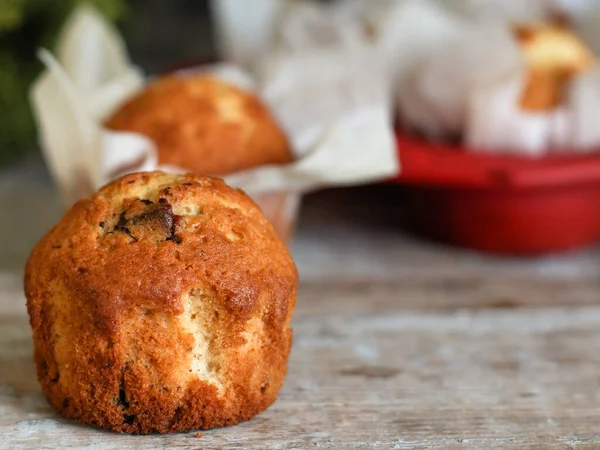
x=399, y=343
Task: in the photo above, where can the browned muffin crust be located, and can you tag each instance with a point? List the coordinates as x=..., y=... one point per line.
x=161, y=304
x=204, y=125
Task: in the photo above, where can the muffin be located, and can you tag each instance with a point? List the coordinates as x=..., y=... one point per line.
x=553, y=56
x=204, y=125
x=161, y=304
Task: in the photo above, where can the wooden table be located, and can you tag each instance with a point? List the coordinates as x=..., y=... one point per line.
x=399, y=343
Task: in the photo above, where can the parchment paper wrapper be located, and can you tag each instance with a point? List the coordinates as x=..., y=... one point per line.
x=454, y=66
x=244, y=34
x=340, y=126
x=519, y=10
x=292, y=25
x=464, y=74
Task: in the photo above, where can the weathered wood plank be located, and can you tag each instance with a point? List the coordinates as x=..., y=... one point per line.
x=357, y=235
x=360, y=297
x=399, y=343
x=479, y=379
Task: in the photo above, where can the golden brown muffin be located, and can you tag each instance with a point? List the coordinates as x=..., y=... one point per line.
x=204, y=125
x=554, y=55
x=161, y=304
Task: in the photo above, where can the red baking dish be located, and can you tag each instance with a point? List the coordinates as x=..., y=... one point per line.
x=501, y=204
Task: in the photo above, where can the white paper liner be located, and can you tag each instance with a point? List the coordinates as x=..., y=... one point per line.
x=244, y=34
x=466, y=75
x=342, y=137
x=410, y=32
x=305, y=26
x=455, y=65
x=496, y=121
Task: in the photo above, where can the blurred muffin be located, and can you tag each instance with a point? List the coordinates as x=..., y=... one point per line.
x=204, y=125
x=161, y=304
x=554, y=55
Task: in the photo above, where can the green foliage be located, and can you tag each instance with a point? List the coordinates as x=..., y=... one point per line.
x=11, y=14
x=26, y=25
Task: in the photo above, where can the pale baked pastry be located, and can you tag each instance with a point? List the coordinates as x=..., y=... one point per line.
x=161, y=304
x=554, y=55
x=204, y=125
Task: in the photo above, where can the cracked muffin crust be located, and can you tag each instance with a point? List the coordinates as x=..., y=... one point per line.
x=204, y=125
x=161, y=304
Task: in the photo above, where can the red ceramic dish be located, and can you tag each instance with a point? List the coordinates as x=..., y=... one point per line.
x=501, y=204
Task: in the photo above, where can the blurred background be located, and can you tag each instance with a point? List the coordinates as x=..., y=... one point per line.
x=506, y=173
x=158, y=35
x=442, y=205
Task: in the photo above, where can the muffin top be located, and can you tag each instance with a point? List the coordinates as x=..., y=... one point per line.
x=553, y=48
x=204, y=125
x=553, y=56
x=147, y=239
